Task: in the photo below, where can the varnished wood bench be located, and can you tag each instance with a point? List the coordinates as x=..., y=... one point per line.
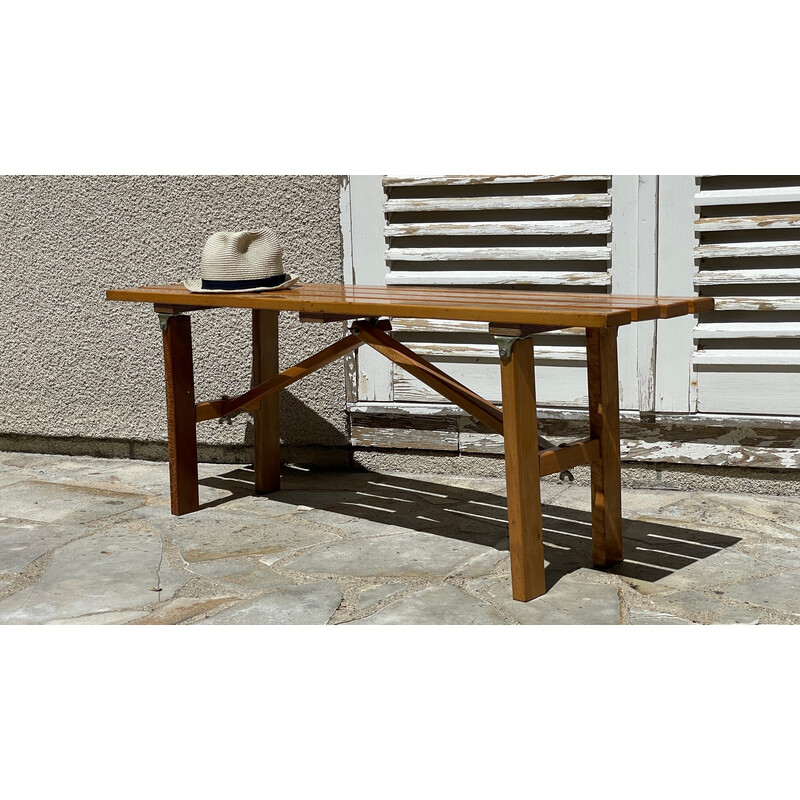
x=512, y=317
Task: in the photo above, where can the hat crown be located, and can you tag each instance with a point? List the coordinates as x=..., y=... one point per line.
x=242, y=255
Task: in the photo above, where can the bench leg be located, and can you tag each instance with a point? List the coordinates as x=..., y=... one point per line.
x=520, y=431
x=601, y=356
x=266, y=421
x=181, y=424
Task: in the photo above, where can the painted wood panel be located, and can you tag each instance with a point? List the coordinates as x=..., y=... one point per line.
x=555, y=384
x=765, y=388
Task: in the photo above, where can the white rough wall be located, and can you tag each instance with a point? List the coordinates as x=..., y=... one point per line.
x=76, y=365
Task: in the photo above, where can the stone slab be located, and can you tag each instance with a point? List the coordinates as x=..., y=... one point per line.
x=114, y=570
x=700, y=607
x=40, y=501
x=435, y=605
x=108, y=618
x=215, y=533
x=778, y=592
x=783, y=555
x=21, y=543
x=347, y=525
x=243, y=575
x=572, y=601
x=409, y=554
x=719, y=568
x=181, y=609
x=648, y=617
x=374, y=594
x=307, y=604
x=485, y=563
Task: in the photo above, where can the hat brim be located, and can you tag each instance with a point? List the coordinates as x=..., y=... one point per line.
x=196, y=285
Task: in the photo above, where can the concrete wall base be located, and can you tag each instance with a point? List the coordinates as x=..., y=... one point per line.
x=679, y=477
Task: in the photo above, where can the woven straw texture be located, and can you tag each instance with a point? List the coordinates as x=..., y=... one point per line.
x=244, y=255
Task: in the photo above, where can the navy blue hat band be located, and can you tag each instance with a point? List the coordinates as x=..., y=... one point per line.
x=274, y=280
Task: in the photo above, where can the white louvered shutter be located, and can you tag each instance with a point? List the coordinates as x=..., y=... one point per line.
x=547, y=232
x=747, y=256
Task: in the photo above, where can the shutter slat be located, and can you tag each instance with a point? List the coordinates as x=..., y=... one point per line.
x=549, y=228
x=483, y=180
x=754, y=358
x=747, y=249
x=438, y=350
x=757, y=303
x=725, y=276
x=747, y=330
x=509, y=203
x=496, y=278
x=761, y=222
x=717, y=197
x=498, y=253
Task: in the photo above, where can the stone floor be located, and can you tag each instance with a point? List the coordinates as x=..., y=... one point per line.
x=92, y=541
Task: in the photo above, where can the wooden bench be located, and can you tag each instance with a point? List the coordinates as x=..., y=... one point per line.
x=513, y=317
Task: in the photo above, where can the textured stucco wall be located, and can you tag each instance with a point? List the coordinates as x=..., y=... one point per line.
x=76, y=365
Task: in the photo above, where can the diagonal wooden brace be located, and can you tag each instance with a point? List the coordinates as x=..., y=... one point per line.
x=250, y=400
x=426, y=372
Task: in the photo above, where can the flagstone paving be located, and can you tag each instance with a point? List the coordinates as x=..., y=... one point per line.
x=92, y=541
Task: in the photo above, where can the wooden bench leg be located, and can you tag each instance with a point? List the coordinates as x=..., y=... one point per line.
x=601, y=356
x=266, y=421
x=522, y=471
x=181, y=424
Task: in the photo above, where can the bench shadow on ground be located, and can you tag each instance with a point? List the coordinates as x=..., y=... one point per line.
x=652, y=550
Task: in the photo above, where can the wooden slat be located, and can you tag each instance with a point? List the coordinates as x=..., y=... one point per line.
x=483, y=180
x=747, y=249
x=709, y=277
x=570, y=227
x=504, y=203
x=747, y=330
x=498, y=254
x=751, y=358
x=760, y=222
x=787, y=194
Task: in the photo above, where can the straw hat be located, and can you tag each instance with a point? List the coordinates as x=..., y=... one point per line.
x=246, y=261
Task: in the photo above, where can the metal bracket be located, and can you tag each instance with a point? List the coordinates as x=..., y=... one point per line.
x=228, y=418
x=505, y=343
x=163, y=320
